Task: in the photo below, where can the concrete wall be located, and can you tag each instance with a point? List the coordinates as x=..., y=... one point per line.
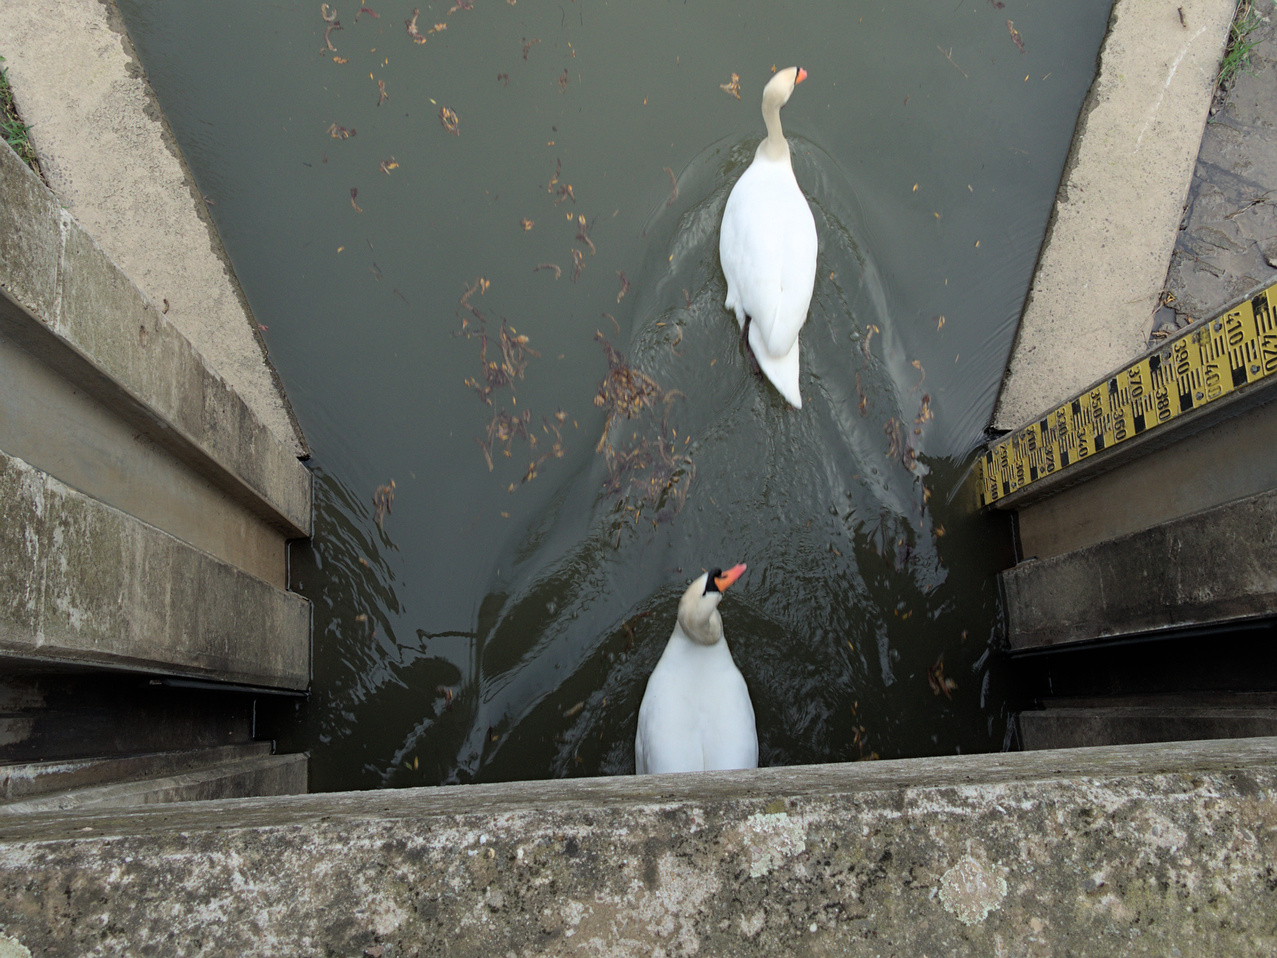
x=1151, y=850
x=146, y=509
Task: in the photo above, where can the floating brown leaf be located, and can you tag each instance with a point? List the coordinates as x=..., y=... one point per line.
x=581, y=234
x=732, y=86
x=328, y=43
x=411, y=25
x=449, y=120
x=1015, y=35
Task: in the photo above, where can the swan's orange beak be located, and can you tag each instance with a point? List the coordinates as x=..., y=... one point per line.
x=802, y=75
x=728, y=577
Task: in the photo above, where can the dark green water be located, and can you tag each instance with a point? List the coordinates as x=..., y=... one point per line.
x=480, y=633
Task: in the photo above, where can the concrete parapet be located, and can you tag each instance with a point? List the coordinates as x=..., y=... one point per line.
x=1140, y=850
x=87, y=584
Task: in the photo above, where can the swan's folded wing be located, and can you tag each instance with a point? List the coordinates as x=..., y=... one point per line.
x=796, y=279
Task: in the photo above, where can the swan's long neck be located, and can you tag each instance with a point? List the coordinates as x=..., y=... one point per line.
x=775, y=146
x=698, y=618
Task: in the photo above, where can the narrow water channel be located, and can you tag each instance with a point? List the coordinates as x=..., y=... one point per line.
x=453, y=239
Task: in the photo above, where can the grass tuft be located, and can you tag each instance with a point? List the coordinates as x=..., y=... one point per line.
x=1237, y=56
x=15, y=132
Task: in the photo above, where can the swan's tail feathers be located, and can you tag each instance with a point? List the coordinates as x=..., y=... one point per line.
x=781, y=370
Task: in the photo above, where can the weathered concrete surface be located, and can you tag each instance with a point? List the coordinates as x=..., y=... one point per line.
x=1228, y=243
x=83, y=583
x=1103, y=261
x=1214, y=566
x=65, y=302
x=115, y=166
x=1148, y=850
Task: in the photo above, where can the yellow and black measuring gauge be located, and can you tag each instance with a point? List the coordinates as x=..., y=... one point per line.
x=1201, y=365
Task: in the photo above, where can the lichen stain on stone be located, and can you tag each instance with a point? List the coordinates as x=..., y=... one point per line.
x=643, y=921
x=970, y=890
x=767, y=839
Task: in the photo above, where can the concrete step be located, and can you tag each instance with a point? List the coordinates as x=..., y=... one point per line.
x=19, y=782
x=253, y=776
x=1139, y=724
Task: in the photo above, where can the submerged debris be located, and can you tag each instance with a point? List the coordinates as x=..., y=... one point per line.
x=732, y=86
x=514, y=359
x=450, y=120
x=649, y=472
x=936, y=679
x=382, y=499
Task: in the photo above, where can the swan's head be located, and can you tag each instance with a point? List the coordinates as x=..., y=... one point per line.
x=780, y=87
x=698, y=609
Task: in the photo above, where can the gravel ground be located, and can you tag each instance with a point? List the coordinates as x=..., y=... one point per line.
x=1227, y=244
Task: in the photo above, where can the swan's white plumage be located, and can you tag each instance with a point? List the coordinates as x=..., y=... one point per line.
x=767, y=245
x=696, y=713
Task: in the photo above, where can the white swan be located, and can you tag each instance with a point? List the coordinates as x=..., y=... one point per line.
x=696, y=713
x=767, y=245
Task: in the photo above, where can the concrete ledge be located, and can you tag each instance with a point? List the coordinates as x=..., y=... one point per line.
x=1214, y=566
x=65, y=302
x=115, y=165
x=1104, y=259
x=1144, y=850
x=86, y=584
x=262, y=775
